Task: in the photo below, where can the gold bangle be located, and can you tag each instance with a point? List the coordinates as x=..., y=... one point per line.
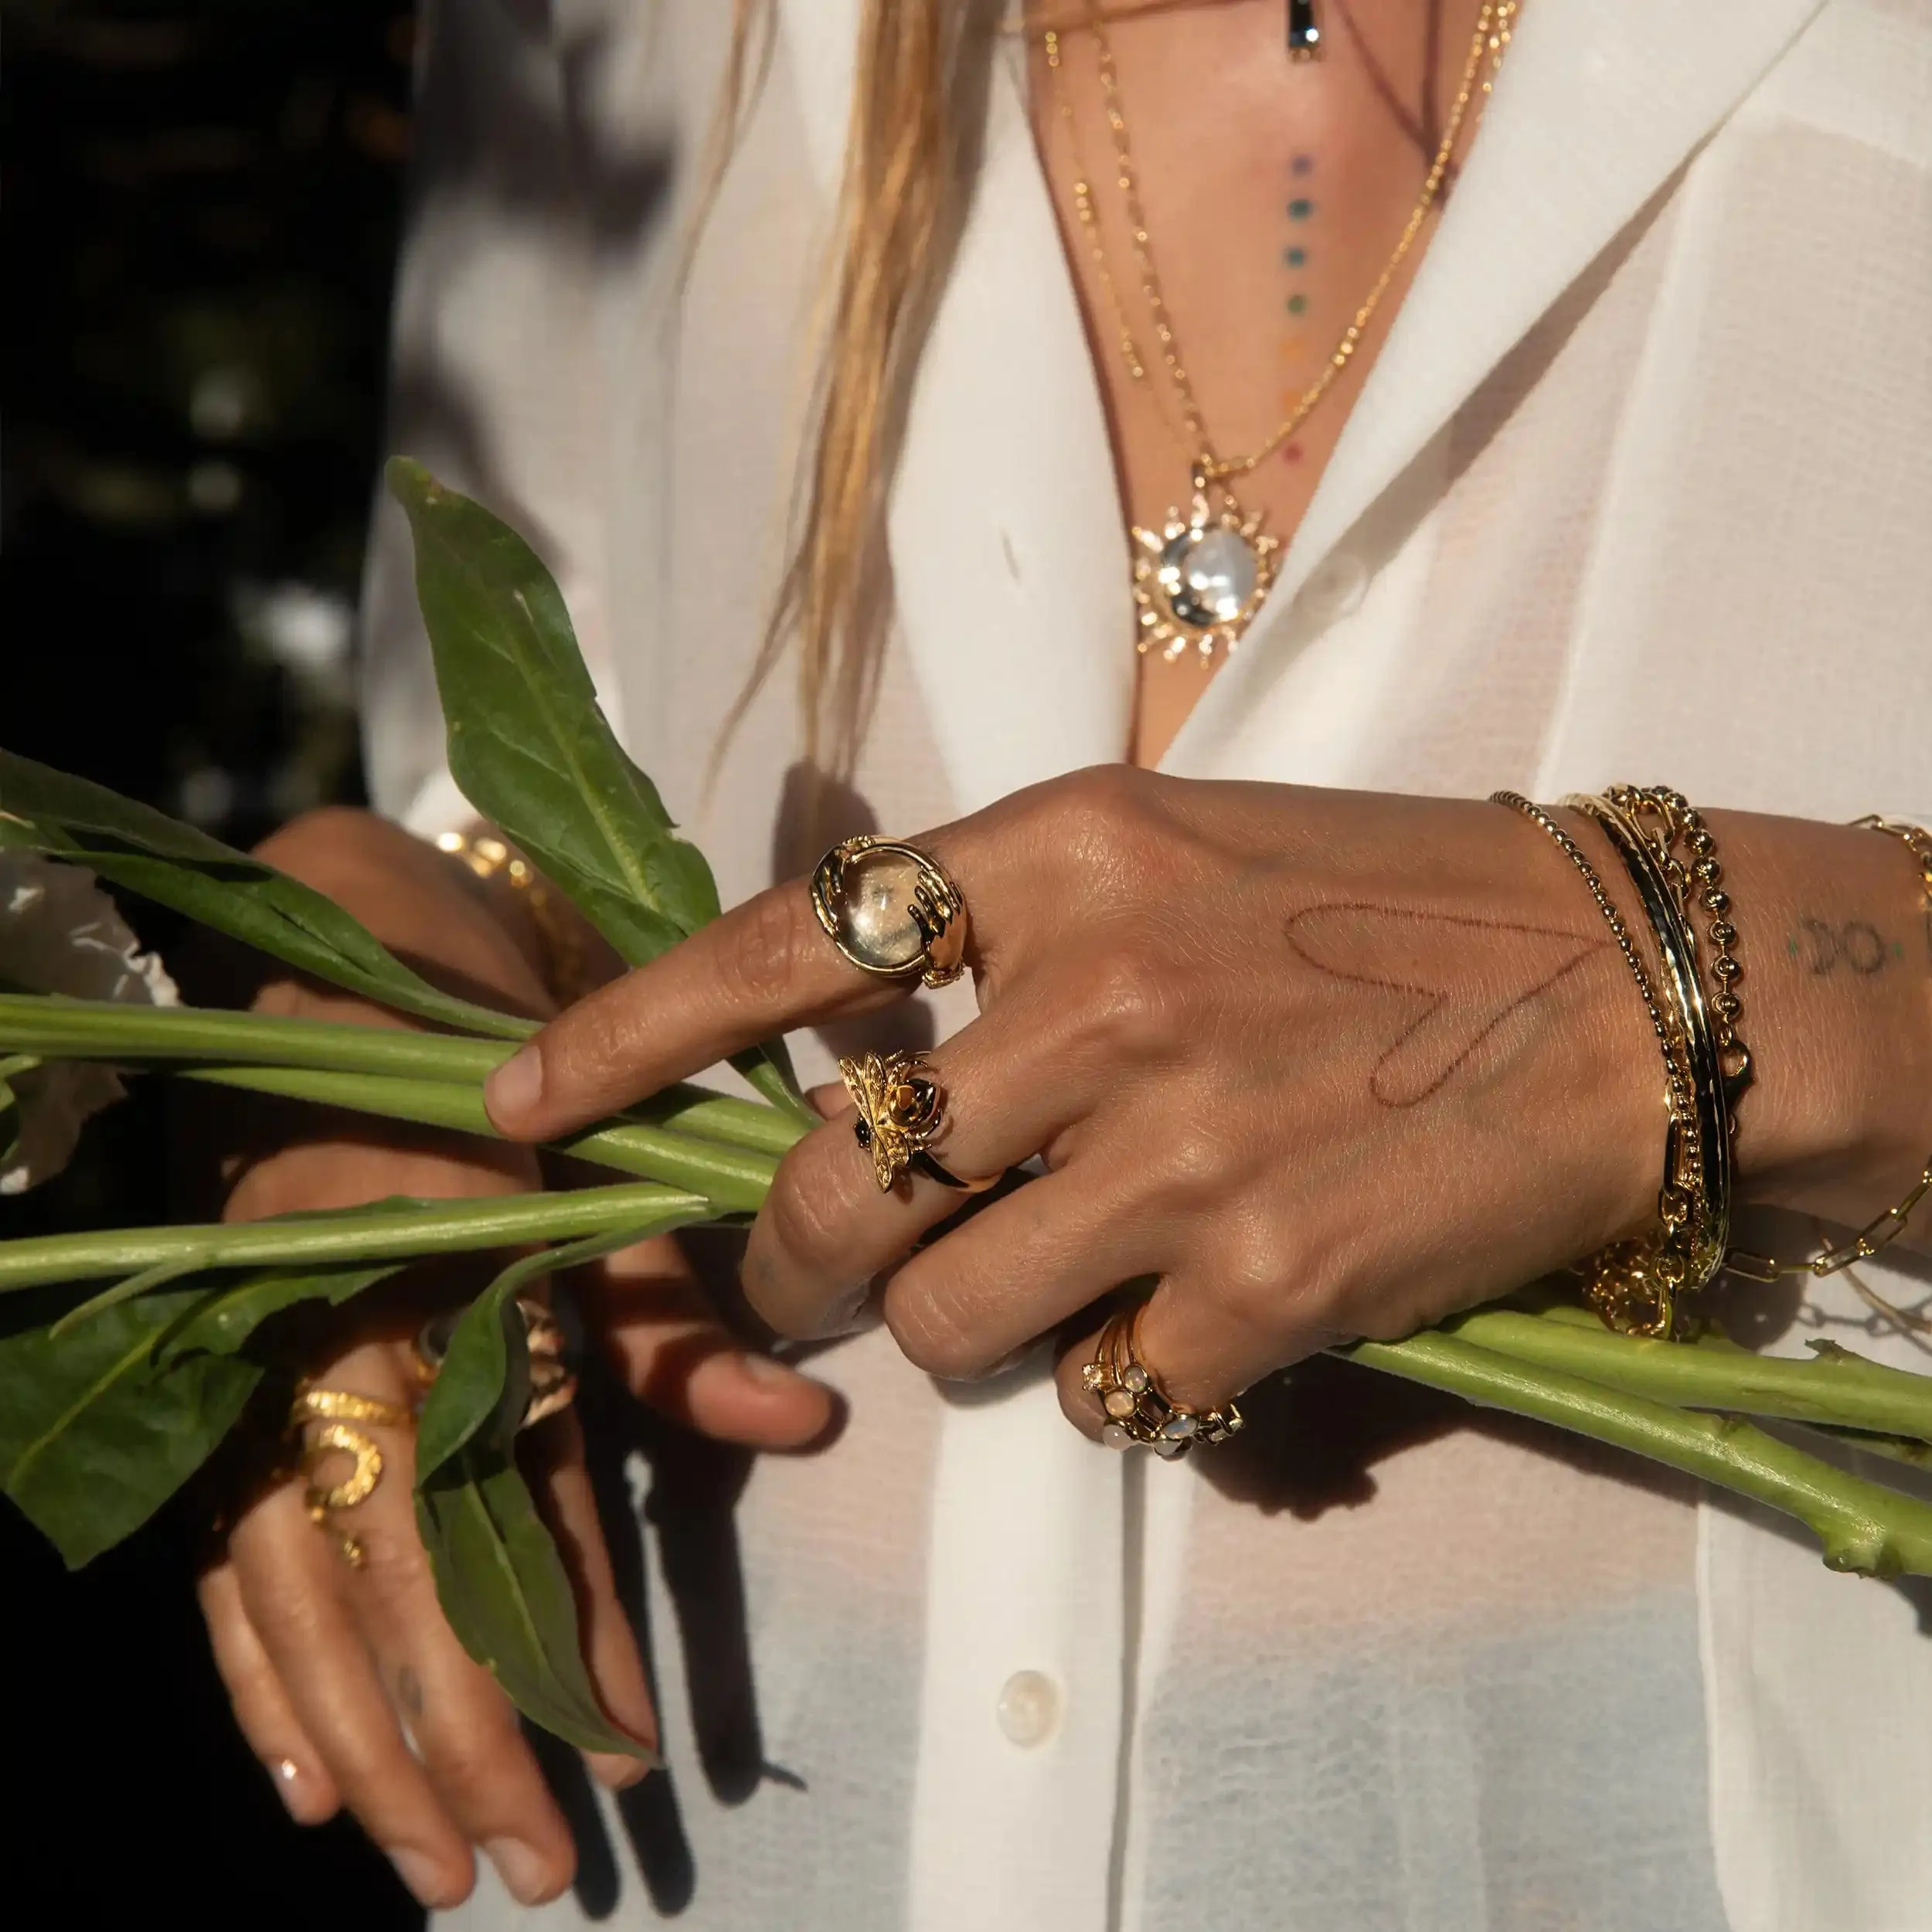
x=1706, y=1172
x=1633, y=1284
x=566, y=976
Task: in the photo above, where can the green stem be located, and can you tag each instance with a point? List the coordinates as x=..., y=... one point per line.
x=1862, y=1526
x=734, y=1179
x=132, y=1035
x=383, y=1232
x=1835, y=1387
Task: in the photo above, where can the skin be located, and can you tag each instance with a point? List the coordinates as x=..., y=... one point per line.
x=328, y=1667
x=1324, y=1064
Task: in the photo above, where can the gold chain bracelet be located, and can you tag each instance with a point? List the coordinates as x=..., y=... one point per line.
x=1885, y=1228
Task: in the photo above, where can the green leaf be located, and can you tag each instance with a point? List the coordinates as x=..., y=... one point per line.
x=483, y=1386
x=95, y=1435
x=145, y=851
x=98, y=1429
x=11, y=1117
x=532, y=752
x=527, y=743
x=507, y=1596
x=224, y=1319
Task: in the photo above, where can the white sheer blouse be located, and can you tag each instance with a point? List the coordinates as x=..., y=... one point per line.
x=1640, y=486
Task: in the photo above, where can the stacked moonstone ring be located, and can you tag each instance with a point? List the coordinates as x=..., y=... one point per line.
x=1138, y=1411
x=892, y=910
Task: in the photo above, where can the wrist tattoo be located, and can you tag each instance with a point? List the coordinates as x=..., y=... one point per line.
x=1460, y=979
x=1855, y=947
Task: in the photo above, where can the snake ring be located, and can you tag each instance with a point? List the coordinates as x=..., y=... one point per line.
x=892, y=910
x=338, y=1410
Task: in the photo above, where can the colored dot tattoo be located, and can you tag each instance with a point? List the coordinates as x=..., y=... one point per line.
x=1298, y=303
x=1291, y=453
x=1295, y=257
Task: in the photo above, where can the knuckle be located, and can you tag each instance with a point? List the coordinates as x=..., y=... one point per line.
x=1189, y=1171
x=811, y=1208
x=1123, y=1004
x=761, y=965
x=929, y=1333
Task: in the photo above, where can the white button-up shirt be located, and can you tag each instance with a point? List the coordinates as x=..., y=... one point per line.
x=1640, y=486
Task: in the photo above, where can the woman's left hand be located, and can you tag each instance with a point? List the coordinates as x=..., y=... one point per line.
x=1327, y=1064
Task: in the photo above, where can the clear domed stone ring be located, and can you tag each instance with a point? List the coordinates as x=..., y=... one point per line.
x=892, y=910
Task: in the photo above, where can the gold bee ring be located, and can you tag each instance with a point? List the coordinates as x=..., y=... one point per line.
x=902, y=1111
x=892, y=910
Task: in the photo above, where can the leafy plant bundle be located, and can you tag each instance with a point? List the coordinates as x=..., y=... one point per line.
x=128, y=1355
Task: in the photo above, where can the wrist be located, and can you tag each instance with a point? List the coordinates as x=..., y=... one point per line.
x=1837, y=993
x=423, y=908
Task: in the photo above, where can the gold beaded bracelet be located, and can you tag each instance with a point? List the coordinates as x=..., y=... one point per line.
x=566, y=967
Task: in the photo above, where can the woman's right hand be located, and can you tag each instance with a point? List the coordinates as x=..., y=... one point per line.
x=347, y=1681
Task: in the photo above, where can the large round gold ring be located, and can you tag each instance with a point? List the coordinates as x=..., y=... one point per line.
x=1138, y=1410
x=338, y=1410
x=902, y=1111
x=554, y=1383
x=892, y=910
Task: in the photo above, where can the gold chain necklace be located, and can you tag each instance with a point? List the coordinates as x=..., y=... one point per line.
x=1199, y=580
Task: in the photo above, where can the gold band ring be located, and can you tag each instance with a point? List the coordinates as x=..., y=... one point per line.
x=554, y=1384
x=1138, y=1410
x=336, y=1410
x=892, y=910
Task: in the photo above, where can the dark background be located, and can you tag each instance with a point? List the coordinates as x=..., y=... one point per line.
x=202, y=207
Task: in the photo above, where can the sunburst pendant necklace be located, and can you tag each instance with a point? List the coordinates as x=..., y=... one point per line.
x=1199, y=579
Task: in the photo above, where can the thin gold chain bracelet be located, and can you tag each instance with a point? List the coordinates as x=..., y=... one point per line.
x=1885, y=1228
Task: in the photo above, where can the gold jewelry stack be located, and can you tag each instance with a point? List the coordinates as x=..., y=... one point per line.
x=485, y=856
x=1199, y=580
x=1139, y=1412
x=1640, y=1286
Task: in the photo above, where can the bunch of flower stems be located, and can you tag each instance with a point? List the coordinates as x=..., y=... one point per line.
x=691, y=1155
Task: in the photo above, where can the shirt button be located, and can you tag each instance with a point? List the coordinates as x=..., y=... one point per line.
x=1029, y=1708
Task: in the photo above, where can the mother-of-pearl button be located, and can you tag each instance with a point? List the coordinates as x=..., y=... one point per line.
x=1029, y=1708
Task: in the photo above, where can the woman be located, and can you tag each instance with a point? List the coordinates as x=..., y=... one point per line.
x=1623, y=473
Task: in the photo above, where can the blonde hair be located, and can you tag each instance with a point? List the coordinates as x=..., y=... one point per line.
x=907, y=160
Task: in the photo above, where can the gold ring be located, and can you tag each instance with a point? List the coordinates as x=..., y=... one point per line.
x=902, y=1111
x=1138, y=1410
x=336, y=1410
x=892, y=910
x=554, y=1384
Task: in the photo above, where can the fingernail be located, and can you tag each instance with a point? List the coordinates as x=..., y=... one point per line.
x=524, y=1869
x=766, y=1368
x=515, y=1087
x=618, y=1773
x=421, y=1873
x=298, y=1791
